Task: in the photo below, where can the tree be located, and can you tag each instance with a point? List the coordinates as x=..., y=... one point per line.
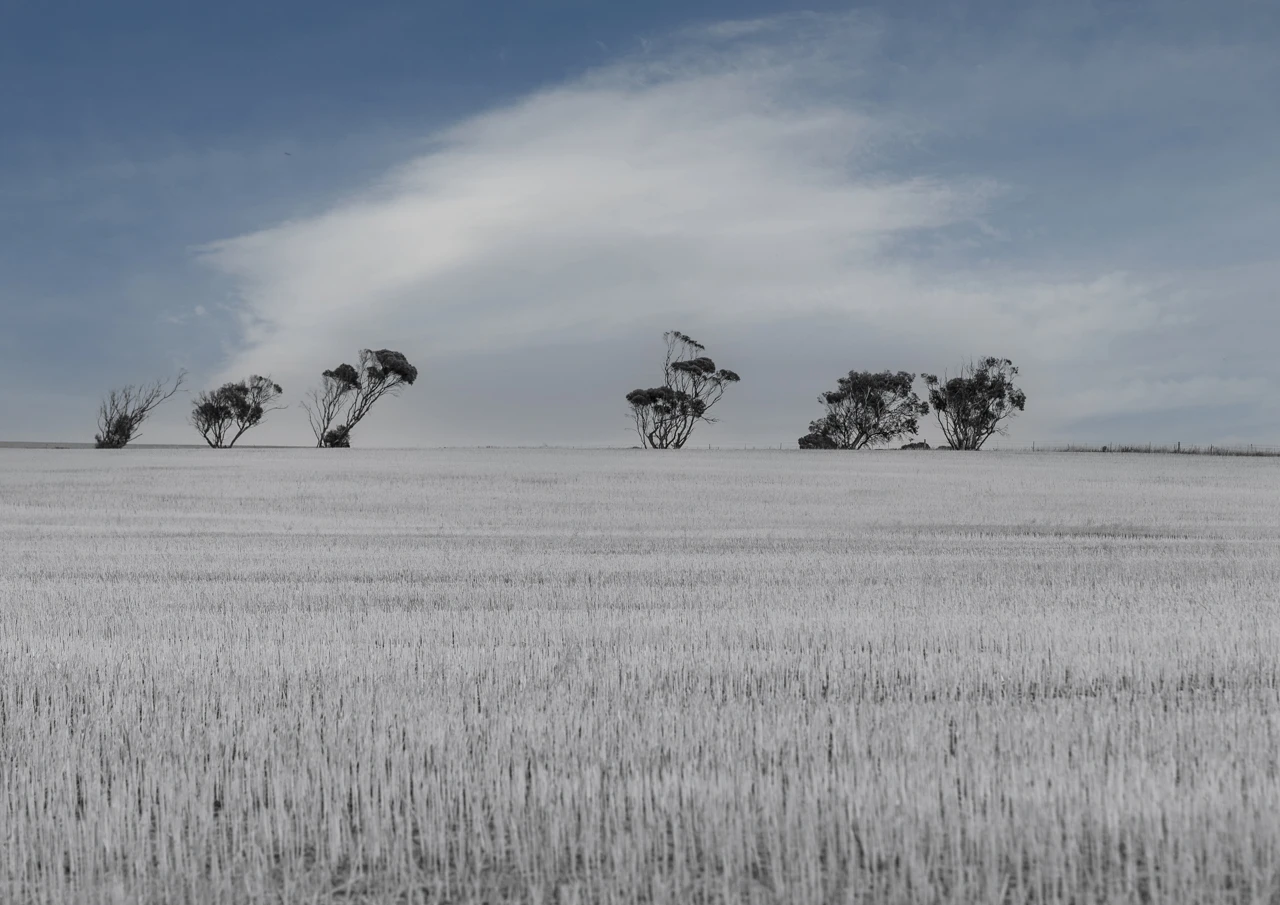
x=122, y=411
x=867, y=409
x=977, y=403
x=224, y=415
x=347, y=394
x=666, y=415
x=816, y=440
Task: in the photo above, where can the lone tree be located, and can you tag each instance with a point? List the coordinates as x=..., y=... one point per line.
x=867, y=409
x=977, y=403
x=665, y=416
x=222, y=416
x=122, y=411
x=347, y=394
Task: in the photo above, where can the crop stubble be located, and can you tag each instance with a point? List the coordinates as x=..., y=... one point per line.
x=558, y=676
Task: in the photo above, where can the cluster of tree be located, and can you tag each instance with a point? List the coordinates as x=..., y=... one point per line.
x=222, y=416
x=865, y=409
x=869, y=408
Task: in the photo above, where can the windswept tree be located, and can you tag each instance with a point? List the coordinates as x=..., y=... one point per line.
x=122, y=411
x=976, y=403
x=867, y=409
x=222, y=416
x=346, y=394
x=666, y=415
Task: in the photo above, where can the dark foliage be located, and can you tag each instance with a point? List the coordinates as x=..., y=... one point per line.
x=122, y=412
x=347, y=393
x=919, y=444
x=867, y=409
x=814, y=440
x=977, y=403
x=338, y=437
x=345, y=375
x=666, y=415
x=222, y=416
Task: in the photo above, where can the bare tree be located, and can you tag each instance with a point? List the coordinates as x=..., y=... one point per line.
x=222, y=416
x=665, y=416
x=867, y=409
x=976, y=403
x=122, y=411
x=346, y=394
x=324, y=405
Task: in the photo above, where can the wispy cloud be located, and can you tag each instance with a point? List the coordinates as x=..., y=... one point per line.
x=736, y=174
x=714, y=183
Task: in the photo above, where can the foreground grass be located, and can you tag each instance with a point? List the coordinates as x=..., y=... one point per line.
x=488, y=676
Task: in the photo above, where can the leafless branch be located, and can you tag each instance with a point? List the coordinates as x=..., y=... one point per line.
x=123, y=410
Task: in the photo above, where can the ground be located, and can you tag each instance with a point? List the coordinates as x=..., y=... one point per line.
x=588, y=676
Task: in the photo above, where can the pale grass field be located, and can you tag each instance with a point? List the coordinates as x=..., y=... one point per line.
x=615, y=676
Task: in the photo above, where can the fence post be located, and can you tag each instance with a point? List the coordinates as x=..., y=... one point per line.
x=1178, y=446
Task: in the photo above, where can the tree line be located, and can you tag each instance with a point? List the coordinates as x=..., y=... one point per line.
x=345, y=396
x=866, y=409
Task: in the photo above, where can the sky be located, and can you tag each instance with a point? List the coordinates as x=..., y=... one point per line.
x=523, y=196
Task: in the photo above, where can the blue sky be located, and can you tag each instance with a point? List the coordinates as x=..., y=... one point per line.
x=522, y=197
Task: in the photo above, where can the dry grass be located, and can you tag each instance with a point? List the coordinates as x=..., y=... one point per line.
x=488, y=676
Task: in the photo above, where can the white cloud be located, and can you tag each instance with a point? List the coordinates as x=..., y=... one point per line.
x=733, y=177
x=729, y=180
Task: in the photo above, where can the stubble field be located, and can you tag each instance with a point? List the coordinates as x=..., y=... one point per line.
x=612, y=676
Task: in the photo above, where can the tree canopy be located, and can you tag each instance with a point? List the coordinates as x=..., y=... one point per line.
x=223, y=415
x=347, y=393
x=122, y=411
x=976, y=403
x=692, y=384
x=867, y=408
